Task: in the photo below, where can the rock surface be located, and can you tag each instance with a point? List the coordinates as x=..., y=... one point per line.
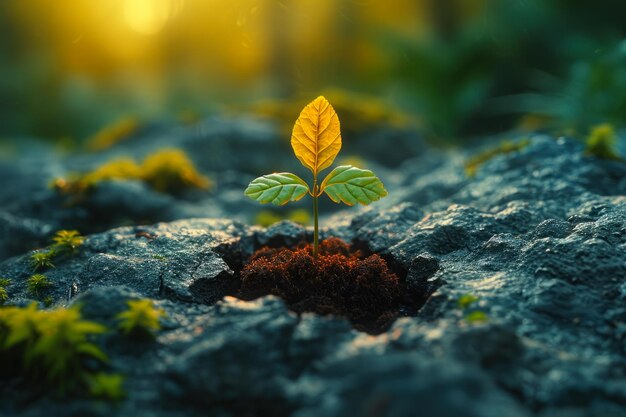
x=538, y=237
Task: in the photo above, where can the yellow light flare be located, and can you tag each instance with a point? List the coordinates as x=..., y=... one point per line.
x=149, y=17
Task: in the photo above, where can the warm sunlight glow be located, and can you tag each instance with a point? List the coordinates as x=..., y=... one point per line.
x=148, y=17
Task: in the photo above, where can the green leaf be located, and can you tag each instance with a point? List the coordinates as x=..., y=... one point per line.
x=352, y=185
x=278, y=188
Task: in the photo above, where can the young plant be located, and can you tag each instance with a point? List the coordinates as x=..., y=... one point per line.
x=316, y=141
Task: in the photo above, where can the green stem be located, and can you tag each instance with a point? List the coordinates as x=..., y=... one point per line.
x=315, y=226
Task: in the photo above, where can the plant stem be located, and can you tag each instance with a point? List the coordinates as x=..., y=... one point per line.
x=315, y=227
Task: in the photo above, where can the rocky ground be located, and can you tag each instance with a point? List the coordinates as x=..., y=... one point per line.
x=537, y=237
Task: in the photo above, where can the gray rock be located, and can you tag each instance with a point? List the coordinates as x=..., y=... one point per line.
x=537, y=236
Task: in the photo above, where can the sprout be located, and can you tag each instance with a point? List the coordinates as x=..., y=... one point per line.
x=316, y=141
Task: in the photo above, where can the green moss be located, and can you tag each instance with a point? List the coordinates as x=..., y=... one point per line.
x=506, y=147
x=602, y=142
x=108, y=387
x=466, y=300
x=477, y=316
x=168, y=170
x=52, y=346
x=4, y=294
x=67, y=241
x=113, y=134
x=141, y=318
x=41, y=260
x=37, y=284
x=468, y=304
x=48, y=301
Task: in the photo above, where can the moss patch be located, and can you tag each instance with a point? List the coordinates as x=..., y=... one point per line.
x=168, y=170
x=506, y=147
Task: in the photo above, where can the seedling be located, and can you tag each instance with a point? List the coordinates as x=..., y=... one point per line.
x=316, y=141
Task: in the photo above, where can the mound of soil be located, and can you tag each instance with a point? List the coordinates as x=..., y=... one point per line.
x=340, y=282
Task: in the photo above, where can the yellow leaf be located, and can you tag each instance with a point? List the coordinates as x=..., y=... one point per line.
x=316, y=137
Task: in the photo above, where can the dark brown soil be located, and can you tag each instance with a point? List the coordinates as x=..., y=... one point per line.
x=340, y=282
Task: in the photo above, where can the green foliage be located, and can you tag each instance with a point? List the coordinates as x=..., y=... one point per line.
x=52, y=346
x=591, y=90
x=278, y=189
x=36, y=284
x=67, y=241
x=352, y=185
x=42, y=260
x=108, y=387
x=141, y=318
x=168, y=170
x=506, y=147
x=601, y=142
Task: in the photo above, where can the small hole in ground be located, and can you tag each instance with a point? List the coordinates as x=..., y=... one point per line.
x=367, y=289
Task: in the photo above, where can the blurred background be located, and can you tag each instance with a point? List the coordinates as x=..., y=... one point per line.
x=455, y=68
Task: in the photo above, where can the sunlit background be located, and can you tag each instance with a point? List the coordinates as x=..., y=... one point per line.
x=455, y=68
